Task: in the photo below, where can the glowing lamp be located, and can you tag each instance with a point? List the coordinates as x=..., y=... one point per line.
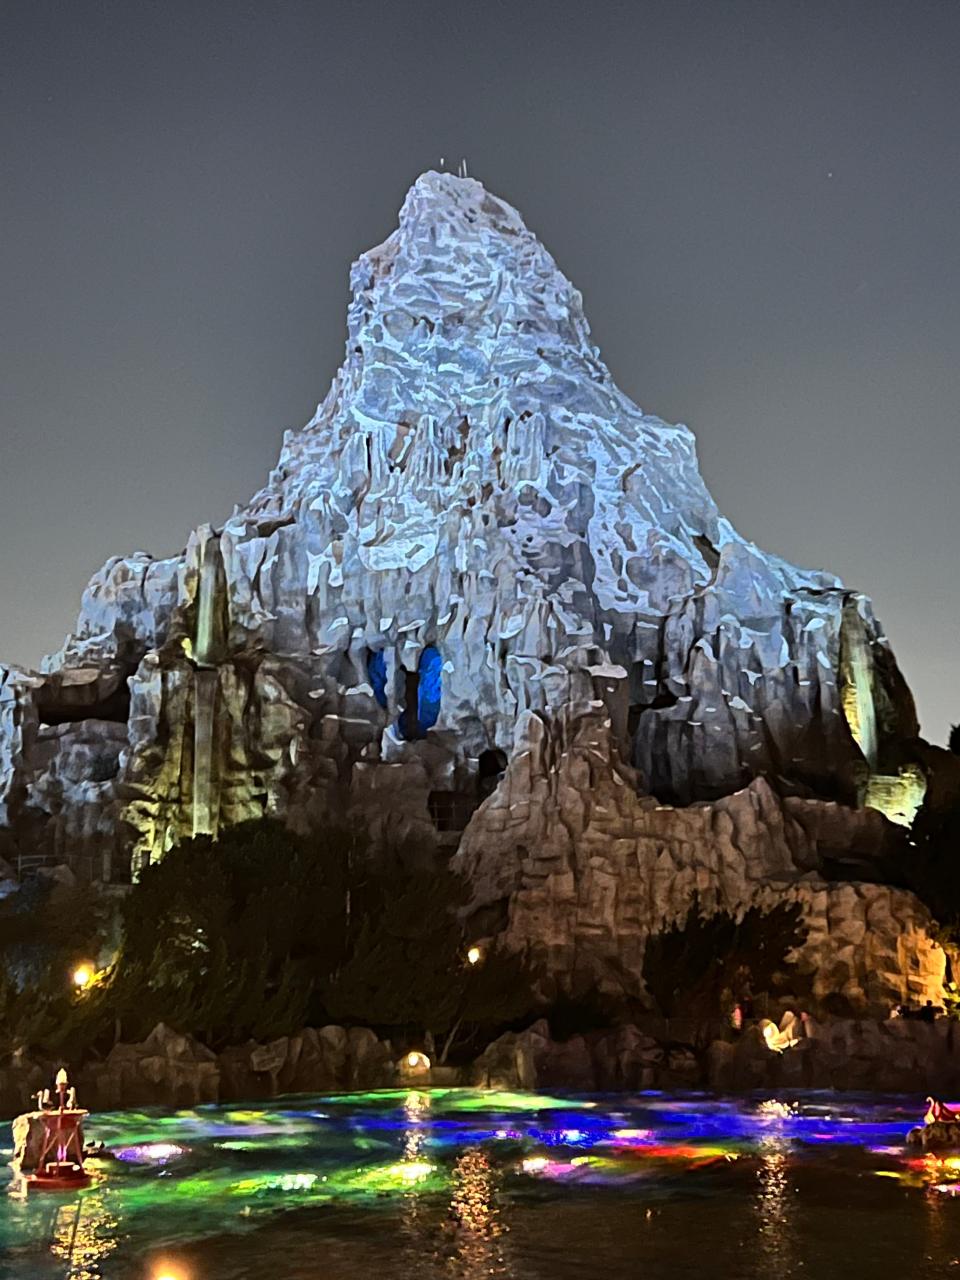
x=474, y=955
x=417, y=1062
x=82, y=976
x=166, y=1271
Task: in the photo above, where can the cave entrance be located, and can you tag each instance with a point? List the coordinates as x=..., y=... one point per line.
x=423, y=690
x=491, y=766
x=53, y=710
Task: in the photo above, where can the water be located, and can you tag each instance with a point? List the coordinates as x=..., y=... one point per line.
x=464, y=1185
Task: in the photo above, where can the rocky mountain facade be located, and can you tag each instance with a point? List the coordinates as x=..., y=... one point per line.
x=572, y=864
x=486, y=602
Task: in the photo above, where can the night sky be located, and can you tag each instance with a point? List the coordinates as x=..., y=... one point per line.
x=759, y=202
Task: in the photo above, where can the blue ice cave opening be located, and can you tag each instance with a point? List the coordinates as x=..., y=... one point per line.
x=421, y=703
x=377, y=671
x=430, y=689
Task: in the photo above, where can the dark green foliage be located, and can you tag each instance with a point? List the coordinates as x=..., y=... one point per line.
x=46, y=929
x=687, y=967
x=47, y=923
x=263, y=932
x=229, y=938
x=933, y=869
x=406, y=970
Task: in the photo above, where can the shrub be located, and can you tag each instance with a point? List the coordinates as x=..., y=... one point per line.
x=687, y=966
x=262, y=932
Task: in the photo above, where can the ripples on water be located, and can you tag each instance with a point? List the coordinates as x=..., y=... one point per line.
x=466, y=1186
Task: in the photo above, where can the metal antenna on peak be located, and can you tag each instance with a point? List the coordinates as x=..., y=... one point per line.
x=443, y=163
x=462, y=171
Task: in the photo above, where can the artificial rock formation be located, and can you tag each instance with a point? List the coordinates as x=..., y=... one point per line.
x=476, y=527
x=572, y=865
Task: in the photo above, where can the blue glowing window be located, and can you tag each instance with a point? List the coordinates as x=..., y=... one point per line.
x=421, y=703
x=429, y=691
x=377, y=671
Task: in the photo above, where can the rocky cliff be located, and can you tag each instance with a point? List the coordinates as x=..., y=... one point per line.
x=573, y=865
x=477, y=529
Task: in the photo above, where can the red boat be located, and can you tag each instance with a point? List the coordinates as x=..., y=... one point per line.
x=59, y=1176
x=63, y=1140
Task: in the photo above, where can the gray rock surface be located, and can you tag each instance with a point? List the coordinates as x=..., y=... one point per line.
x=29, y=1135
x=895, y=1055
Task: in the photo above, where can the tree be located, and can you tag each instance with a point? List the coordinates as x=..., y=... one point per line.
x=407, y=971
x=687, y=966
x=46, y=929
x=229, y=938
x=264, y=931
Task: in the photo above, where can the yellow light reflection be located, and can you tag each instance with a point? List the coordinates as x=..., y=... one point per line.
x=416, y=1110
x=475, y=1218
x=85, y=1234
x=412, y=1170
x=774, y=1206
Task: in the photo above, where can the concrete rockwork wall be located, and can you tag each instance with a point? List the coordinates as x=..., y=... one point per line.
x=173, y=1071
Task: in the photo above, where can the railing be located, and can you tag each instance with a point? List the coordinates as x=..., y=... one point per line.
x=87, y=867
x=28, y=864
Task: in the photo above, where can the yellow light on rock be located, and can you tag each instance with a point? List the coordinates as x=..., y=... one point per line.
x=82, y=976
x=417, y=1062
x=474, y=955
x=776, y=1039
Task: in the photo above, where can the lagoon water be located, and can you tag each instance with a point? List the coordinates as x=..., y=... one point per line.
x=463, y=1186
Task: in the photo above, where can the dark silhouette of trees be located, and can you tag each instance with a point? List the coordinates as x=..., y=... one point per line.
x=262, y=932
x=687, y=966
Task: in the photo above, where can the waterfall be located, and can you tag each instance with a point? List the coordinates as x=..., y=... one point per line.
x=205, y=685
x=209, y=649
x=857, y=694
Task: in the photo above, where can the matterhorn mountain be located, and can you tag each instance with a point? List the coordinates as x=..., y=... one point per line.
x=486, y=602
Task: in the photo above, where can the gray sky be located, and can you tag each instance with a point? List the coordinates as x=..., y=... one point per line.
x=758, y=200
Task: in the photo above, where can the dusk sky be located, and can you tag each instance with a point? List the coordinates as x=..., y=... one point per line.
x=758, y=200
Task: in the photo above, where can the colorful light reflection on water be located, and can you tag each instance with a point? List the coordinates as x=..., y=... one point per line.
x=455, y=1176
